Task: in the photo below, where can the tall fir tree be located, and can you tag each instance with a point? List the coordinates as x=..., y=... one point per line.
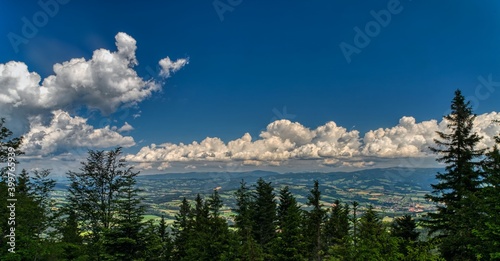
x=337, y=226
x=198, y=243
x=167, y=245
x=315, y=220
x=248, y=249
x=221, y=246
x=183, y=224
x=405, y=229
x=457, y=149
x=375, y=243
x=488, y=223
x=243, y=219
x=264, y=215
x=156, y=247
x=289, y=243
x=71, y=238
x=125, y=239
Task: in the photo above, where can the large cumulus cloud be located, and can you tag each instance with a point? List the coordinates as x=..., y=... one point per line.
x=105, y=82
x=65, y=133
x=407, y=139
x=412, y=139
x=282, y=140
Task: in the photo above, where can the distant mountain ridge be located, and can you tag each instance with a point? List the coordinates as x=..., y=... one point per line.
x=416, y=176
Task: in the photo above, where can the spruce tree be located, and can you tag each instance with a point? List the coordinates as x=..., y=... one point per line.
x=264, y=215
x=166, y=250
x=125, y=239
x=405, y=229
x=33, y=220
x=181, y=229
x=289, y=243
x=457, y=149
x=488, y=222
x=355, y=222
x=220, y=244
x=28, y=221
x=70, y=235
x=315, y=219
x=248, y=249
x=243, y=219
x=337, y=226
x=42, y=186
x=375, y=242
x=198, y=243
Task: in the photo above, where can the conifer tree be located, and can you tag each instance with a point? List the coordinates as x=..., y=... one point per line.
x=33, y=216
x=315, y=219
x=288, y=244
x=125, y=239
x=181, y=230
x=166, y=249
x=264, y=215
x=337, y=226
x=248, y=249
x=354, y=221
x=243, y=219
x=375, y=242
x=457, y=148
x=198, y=243
x=487, y=219
x=220, y=239
x=71, y=235
x=28, y=221
x=405, y=228
x=42, y=186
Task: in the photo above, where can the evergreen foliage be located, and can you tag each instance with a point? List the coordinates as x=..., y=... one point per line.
x=457, y=148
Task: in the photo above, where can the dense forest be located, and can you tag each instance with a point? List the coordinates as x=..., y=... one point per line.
x=103, y=216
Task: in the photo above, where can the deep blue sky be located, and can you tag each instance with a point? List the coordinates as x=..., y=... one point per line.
x=275, y=54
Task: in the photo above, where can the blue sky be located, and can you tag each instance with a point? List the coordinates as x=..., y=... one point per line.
x=250, y=63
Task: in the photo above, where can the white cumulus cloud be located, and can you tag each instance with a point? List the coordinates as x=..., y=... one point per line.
x=66, y=133
x=407, y=139
x=168, y=67
x=282, y=141
x=125, y=127
x=105, y=82
x=328, y=145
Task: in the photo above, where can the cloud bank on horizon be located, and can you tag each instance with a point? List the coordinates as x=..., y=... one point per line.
x=329, y=145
